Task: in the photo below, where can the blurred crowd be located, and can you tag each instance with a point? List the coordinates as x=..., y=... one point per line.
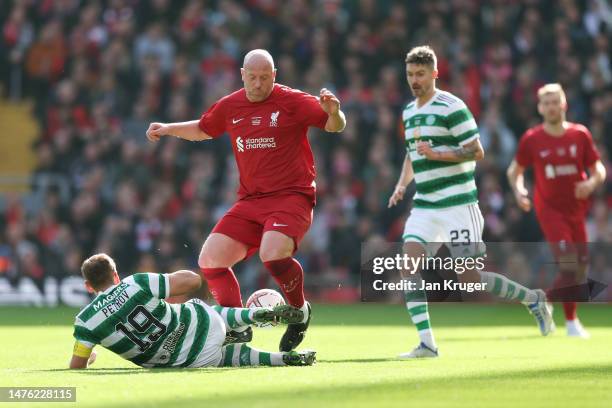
x=101, y=71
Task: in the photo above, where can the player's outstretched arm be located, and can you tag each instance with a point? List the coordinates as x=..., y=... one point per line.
x=516, y=179
x=183, y=130
x=405, y=179
x=183, y=282
x=82, y=357
x=336, y=121
x=597, y=175
x=467, y=152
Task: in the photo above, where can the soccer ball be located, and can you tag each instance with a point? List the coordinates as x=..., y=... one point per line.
x=265, y=298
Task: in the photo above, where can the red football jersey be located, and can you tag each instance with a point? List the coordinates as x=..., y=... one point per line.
x=269, y=139
x=559, y=163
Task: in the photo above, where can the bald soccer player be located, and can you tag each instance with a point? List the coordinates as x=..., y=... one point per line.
x=267, y=124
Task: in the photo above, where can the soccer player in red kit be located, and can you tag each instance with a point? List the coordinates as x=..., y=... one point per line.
x=268, y=125
x=560, y=152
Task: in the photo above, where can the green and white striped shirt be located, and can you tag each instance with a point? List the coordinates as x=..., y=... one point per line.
x=131, y=320
x=445, y=122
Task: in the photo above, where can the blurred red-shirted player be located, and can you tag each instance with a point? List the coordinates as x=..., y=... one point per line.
x=560, y=153
x=268, y=125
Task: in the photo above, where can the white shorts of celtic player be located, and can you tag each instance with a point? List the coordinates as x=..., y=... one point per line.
x=459, y=228
x=211, y=353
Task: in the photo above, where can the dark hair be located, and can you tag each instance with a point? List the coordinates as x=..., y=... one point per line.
x=98, y=270
x=422, y=55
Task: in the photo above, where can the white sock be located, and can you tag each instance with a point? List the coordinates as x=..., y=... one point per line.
x=573, y=323
x=304, y=309
x=416, y=304
x=427, y=337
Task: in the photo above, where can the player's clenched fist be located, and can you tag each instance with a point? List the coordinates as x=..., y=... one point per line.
x=329, y=103
x=156, y=130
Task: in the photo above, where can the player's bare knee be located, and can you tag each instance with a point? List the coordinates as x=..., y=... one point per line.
x=207, y=259
x=273, y=254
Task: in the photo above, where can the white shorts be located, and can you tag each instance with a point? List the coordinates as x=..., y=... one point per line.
x=212, y=353
x=459, y=228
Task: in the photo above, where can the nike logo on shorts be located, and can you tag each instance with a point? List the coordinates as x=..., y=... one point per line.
x=234, y=121
x=279, y=225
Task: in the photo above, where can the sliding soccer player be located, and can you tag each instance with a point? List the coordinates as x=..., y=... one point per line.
x=130, y=318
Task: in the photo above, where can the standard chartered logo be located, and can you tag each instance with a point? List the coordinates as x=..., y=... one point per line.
x=552, y=172
x=255, y=143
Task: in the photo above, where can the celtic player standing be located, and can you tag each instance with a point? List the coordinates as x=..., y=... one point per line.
x=130, y=318
x=443, y=145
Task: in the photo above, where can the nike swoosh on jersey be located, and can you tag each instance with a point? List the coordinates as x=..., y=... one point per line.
x=279, y=225
x=234, y=121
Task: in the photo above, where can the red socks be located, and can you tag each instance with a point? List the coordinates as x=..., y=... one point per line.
x=566, y=281
x=288, y=273
x=223, y=286
x=569, y=308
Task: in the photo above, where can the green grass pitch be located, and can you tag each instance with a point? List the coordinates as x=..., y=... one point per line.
x=490, y=356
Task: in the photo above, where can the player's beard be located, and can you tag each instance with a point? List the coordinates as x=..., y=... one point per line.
x=416, y=92
x=420, y=91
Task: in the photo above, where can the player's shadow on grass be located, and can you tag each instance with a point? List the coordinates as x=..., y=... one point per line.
x=137, y=370
x=358, y=360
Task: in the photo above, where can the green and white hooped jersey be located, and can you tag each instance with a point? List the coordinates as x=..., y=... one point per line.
x=445, y=122
x=133, y=321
